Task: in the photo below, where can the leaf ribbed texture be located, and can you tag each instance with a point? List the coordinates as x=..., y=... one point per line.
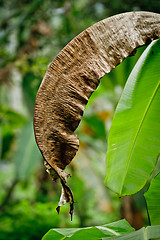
x=117, y=230
x=152, y=197
x=114, y=229
x=134, y=138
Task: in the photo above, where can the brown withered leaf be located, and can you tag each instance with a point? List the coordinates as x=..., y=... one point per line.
x=74, y=75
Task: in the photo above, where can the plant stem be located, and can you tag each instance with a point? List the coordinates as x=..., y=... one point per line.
x=8, y=195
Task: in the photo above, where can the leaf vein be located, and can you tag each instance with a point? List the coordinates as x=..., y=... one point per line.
x=137, y=134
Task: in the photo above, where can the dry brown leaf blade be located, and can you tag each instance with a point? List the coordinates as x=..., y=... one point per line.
x=66, y=196
x=74, y=75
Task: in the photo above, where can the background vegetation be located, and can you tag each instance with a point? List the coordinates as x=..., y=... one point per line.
x=31, y=34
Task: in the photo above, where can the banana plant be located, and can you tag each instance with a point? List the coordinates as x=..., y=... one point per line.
x=134, y=138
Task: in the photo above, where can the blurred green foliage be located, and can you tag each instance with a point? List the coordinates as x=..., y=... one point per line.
x=27, y=221
x=31, y=34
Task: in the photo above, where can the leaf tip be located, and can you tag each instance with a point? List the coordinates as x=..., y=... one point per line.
x=58, y=209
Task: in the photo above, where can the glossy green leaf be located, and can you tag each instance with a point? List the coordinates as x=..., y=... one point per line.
x=120, y=230
x=91, y=233
x=27, y=155
x=134, y=138
x=152, y=197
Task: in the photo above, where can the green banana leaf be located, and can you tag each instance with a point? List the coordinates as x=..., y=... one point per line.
x=27, y=155
x=148, y=233
x=90, y=233
x=134, y=138
x=152, y=197
x=120, y=230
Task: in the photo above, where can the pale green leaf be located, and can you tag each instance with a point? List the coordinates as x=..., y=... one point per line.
x=148, y=233
x=27, y=155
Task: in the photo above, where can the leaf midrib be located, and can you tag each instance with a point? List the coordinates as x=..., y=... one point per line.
x=137, y=134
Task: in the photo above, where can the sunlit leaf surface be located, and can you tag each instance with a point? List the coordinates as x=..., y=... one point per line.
x=134, y=138
x=91, y=233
